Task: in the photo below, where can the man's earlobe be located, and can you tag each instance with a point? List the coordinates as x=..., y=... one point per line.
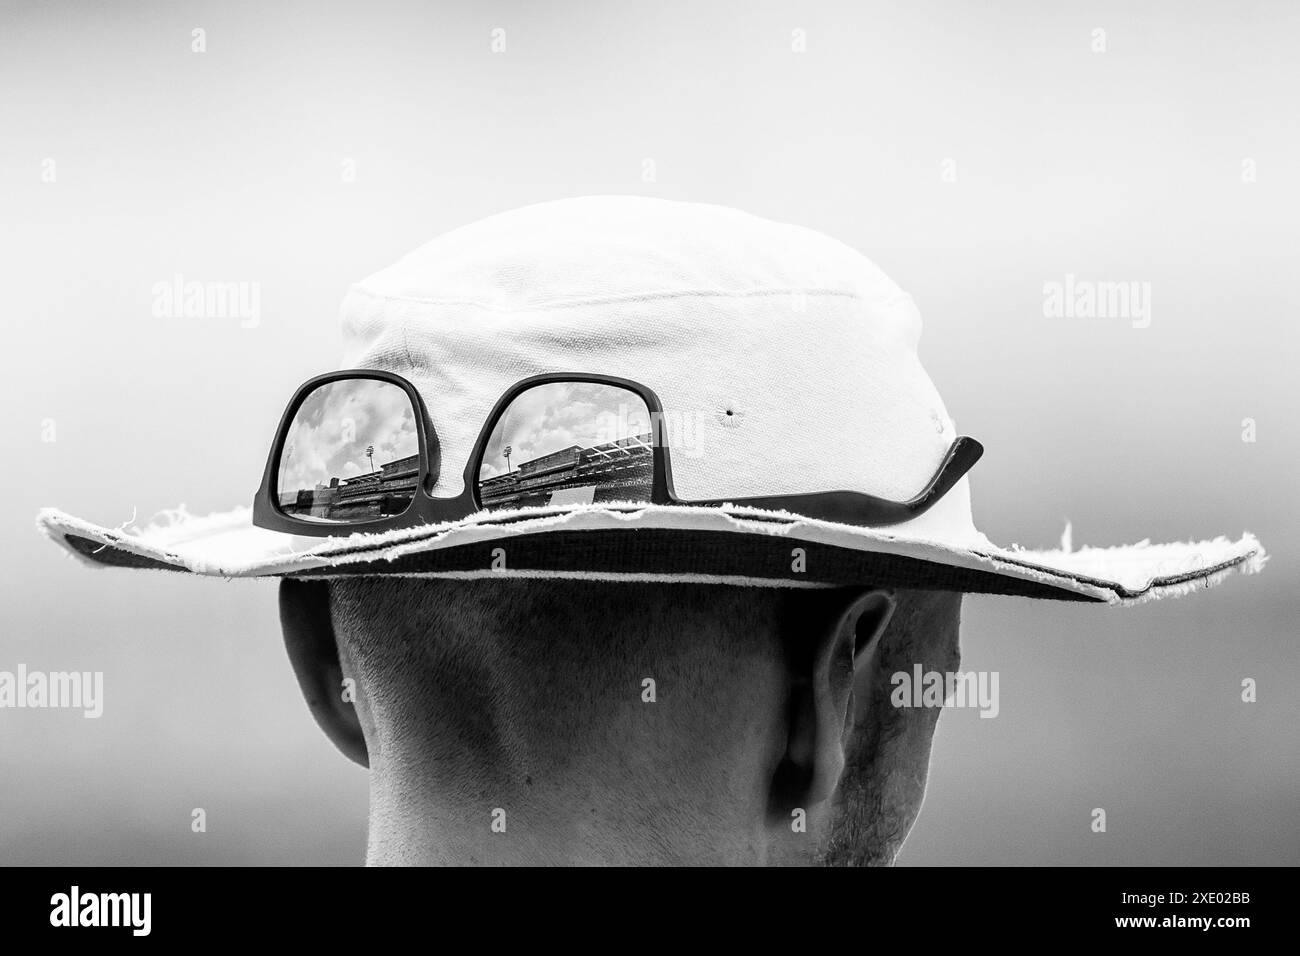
x=309, y=639
x=821, y=706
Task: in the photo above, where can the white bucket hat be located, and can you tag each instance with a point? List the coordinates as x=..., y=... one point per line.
x=767, y=344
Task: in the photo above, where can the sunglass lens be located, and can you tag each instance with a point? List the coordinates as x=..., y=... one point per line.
x=566, y=443
x=352, y=453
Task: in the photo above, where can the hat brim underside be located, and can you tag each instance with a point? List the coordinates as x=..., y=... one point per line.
x=732, y=546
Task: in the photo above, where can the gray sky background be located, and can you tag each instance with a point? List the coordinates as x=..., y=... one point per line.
x=1125, y=165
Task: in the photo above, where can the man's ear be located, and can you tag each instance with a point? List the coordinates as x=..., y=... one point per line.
x=821, y=713
x=309, y=639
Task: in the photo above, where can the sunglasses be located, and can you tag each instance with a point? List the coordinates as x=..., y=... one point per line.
x=357, y=451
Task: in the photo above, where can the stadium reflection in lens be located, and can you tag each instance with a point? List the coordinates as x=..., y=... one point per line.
x=352, y=453
x=568, y=443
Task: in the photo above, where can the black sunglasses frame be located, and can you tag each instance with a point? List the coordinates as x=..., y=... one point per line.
x=841, y=507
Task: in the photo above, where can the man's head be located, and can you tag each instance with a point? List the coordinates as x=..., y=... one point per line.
x=739, y=710
x=554, y=721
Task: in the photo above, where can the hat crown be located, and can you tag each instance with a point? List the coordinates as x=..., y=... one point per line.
x=611, y=248
x=785, y=360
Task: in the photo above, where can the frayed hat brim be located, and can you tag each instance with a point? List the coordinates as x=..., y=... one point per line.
x=736, y=546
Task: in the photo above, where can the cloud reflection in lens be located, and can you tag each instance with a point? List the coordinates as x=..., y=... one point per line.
x=567, y=443
x=352, y=453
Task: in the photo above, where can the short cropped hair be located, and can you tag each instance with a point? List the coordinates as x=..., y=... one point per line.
x=556, y=653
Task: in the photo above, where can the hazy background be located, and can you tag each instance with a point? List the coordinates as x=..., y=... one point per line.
x=227, y=165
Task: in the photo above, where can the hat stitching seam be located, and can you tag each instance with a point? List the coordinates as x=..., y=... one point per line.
x=626, y=297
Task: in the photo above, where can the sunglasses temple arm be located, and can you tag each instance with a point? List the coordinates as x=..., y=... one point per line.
x=848, y=506
x=961, y=458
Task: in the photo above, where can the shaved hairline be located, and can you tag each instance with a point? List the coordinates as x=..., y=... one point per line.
x=383, y=626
